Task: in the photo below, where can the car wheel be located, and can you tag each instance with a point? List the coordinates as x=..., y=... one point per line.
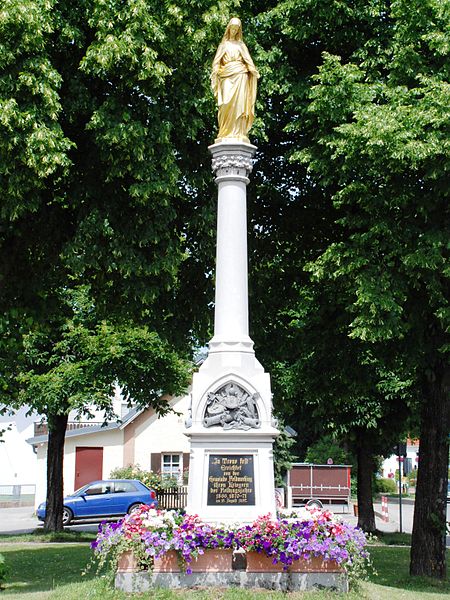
x=134, y=508
x=67, y=516
x=314, y=504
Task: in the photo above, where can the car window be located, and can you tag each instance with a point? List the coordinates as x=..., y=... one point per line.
x=98, y=488
x=124, y=486
x=79, y=491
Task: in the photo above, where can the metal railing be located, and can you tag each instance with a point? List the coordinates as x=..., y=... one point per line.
x=17, y=495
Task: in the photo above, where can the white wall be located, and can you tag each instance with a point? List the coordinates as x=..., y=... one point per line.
x=163, y=434
x=41, y=474
x=390, y=465
x=17, y=459
x=110, y=441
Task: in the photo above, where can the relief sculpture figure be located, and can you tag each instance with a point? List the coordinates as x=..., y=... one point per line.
x=233, y=81
x=231, y=407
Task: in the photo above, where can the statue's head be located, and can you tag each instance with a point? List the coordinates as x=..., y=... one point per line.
x=234, y=30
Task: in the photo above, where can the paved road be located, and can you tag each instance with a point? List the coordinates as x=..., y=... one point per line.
x=22, y=520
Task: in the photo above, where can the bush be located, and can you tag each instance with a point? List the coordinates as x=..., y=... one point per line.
x=3, y=571
x=384, y=485
x=148, y=478
x=325, y=448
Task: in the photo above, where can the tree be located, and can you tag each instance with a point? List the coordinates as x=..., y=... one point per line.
x=379, y=143
x=369, y=134
x=99, y=190
x=339, y=384
x=325, y=448
x=283, y=454
x=72, y=365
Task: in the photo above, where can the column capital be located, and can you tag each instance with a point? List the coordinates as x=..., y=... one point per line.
x=232, y=160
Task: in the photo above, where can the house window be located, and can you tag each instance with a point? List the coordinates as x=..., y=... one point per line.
x=172, y=465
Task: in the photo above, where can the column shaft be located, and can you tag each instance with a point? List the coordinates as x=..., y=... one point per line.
x=231, y=306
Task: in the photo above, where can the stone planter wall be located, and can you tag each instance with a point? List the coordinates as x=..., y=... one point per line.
x=168, y=563
x=215, y=569
x=127, y=563
x=213, y=561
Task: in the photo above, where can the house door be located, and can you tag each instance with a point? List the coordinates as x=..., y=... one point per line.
x=88, y=465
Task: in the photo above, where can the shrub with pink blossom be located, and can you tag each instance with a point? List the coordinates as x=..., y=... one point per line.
x=307, y=534
x=193, y=537
x=147, y=532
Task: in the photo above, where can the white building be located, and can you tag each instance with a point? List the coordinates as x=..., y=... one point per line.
x=410, y=463
x=17, y=458
x=141, y=438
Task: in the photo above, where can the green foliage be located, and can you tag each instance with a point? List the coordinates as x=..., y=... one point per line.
x=156, y=481
x=326, y=448
x=106, y=114
x=3, y=571
x=77, y=362
x=283, y=454
x=385, y=485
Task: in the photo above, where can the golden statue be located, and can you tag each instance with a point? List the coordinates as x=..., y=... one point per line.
x=233, y=81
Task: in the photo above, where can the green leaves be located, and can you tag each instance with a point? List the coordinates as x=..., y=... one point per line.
x=77, y=363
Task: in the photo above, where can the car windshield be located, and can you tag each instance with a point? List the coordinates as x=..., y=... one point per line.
x=78, y=491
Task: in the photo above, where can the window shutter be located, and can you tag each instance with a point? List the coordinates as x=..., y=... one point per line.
x=186, y=457
x=155, y=462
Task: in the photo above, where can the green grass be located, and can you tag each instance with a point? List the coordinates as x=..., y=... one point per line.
x=39, y=536
x=392, y=579
x=392, y=539
x=54, y=572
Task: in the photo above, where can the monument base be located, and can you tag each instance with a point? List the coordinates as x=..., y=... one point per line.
x=231, y=476
x=285, y=582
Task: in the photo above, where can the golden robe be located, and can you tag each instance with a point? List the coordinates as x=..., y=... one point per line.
x=233, y=79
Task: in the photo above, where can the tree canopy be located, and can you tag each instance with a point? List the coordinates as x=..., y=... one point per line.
x=105, y=118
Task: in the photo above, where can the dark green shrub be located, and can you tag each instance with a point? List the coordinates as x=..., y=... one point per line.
x=3, y=571
x=148, y=478
x=385, y=485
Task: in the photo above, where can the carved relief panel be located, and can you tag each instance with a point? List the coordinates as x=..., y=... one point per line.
x=231, y=407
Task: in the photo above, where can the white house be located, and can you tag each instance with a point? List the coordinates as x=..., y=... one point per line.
x=17, y=459
x=141, y=438
x=409, y=463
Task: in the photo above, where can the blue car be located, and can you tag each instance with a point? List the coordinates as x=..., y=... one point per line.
x=102, y=499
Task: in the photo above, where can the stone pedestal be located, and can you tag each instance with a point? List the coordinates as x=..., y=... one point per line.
x=230, y=426
x=145, y=581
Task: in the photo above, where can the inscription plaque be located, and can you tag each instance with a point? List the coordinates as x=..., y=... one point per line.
x=231, y=480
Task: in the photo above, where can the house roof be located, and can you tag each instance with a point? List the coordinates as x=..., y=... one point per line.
x=127, y=419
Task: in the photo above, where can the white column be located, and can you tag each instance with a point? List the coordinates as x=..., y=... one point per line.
x=231, y=359
x=232, y=163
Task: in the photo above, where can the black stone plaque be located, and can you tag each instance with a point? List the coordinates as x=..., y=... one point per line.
x=231, y=480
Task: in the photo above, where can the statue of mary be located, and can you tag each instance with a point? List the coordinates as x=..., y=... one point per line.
x=233, y=80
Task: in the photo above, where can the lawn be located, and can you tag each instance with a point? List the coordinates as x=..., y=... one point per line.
x=54, y=571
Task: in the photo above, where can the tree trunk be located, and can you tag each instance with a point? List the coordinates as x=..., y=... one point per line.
x=57, y=425
x=429, y=527
x=366, y=515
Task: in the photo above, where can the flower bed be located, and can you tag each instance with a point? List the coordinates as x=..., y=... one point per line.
x=311, y=537
x=313, y=533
